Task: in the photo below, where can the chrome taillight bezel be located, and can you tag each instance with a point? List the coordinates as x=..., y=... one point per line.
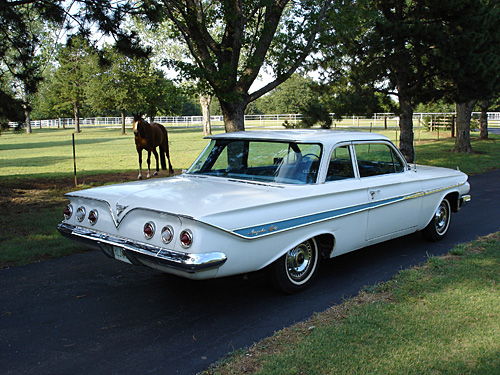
x=68, y=212
x=189, y=235
x=150, y=225
x=93, y=217
x=81, y=213
x=167, y=234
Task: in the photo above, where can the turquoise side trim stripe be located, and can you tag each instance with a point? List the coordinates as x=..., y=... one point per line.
x=278, y=226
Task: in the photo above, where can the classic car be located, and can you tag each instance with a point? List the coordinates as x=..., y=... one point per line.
x=274, y=200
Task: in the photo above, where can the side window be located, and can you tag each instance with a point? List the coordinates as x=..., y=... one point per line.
x=376, y=159
x=340, y=165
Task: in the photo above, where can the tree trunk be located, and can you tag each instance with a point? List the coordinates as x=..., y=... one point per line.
x=464, y=114
x=234, y=115
x=27, y=114
x=27, y=119
x=76, y=110
x=483, y=119
x=205, y=101
x=123, y=121
x=406, y=127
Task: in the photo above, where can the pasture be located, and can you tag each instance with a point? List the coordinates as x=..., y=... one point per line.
x=48, y=154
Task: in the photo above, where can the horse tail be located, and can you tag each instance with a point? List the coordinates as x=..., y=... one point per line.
x=163, y=161
x=165, y=151
x=163, y=147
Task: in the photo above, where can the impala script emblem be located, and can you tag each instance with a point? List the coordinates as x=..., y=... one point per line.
x=254, y=232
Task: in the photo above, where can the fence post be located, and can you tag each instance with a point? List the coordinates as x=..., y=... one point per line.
x=74, y=159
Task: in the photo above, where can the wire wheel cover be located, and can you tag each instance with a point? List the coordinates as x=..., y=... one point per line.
x=300, y=261
x=442, y=217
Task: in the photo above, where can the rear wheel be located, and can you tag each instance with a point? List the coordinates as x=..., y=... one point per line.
x=294, y=271
x=438, y=227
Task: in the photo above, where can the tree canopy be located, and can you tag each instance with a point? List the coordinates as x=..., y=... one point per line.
x=231, y=41
x=413, y=50
x=366, y=50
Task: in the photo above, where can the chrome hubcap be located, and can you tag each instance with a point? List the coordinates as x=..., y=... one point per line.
x=442, y=217
x=299, y=261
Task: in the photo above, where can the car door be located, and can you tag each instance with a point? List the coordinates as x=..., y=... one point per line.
x=347, y=200
x=393, y=191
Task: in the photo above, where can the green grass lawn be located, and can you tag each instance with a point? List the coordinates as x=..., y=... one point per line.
x=48, y=153
x=440, y=318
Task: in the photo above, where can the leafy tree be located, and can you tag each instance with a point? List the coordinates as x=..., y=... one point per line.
x=11, y=109
x=159, y=38
x=78, y=62
x=406, y=48
x=435, y=106
x=348, y=100
x=23, y=36
x=292, y=96
x=315, y=113
x=380, y=46
x=230, y=41
x=468, y=61
x=132, y=85
x=25, y=43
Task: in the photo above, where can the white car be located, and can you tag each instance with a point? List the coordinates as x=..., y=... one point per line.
x=280, y=200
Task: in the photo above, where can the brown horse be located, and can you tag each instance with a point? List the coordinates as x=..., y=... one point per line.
x=148, y=137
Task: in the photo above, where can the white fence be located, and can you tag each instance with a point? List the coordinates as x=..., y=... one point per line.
x=378, y=120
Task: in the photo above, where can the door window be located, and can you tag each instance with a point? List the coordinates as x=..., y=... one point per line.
x=376, y=159
x=340, y=166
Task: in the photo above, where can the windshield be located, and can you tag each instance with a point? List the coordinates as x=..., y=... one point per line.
x=266, y=161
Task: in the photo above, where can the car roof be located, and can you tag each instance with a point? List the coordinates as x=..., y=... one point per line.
x=324, y=136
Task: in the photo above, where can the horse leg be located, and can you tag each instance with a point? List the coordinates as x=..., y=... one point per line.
x=156, y=157
x=139, y=177
x=149, y=164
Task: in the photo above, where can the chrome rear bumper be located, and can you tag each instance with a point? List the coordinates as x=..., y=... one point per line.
x=136, y=251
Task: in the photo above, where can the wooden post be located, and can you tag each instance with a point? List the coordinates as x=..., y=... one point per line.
x=74, y=159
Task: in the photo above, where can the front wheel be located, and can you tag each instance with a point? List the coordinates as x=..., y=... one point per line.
x=294, y=271
x=438, y=227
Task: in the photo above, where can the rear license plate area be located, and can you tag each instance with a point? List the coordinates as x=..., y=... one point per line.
x=120, y=254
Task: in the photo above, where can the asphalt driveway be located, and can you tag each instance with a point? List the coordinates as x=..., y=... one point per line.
x=87, y=314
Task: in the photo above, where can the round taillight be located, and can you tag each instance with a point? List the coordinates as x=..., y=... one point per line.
x=93, y=216
x=80, y=213
x=68, y=211
x=167, y=233
x=186, y=238
x=149, y=230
